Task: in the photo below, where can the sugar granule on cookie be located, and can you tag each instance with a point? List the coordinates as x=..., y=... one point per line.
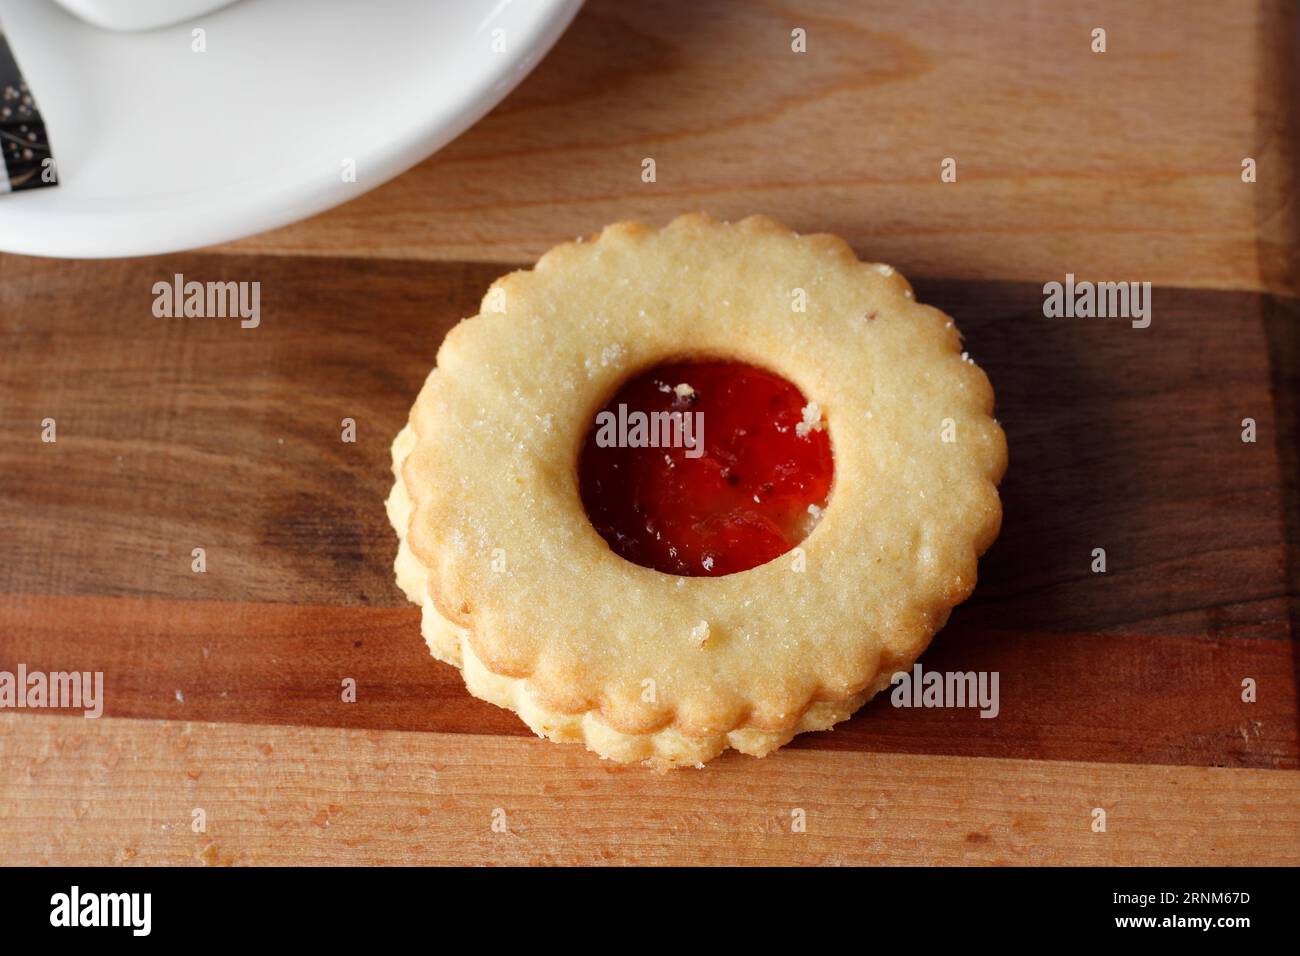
x=645, y=612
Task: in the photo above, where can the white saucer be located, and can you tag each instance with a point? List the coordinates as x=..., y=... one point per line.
x=159, y=148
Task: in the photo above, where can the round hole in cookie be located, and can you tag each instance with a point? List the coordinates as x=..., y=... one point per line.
x=705, y=468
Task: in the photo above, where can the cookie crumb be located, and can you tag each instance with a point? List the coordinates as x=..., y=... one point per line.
x=812, y=420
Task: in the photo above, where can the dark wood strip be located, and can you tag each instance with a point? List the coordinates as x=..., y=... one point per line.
x=184, y=433
x=1120, y=698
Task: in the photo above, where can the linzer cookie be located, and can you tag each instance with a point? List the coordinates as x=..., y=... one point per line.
x=673, y=491
x=24, y=146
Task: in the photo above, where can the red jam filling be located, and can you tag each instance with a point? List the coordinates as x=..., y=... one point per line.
x=722, y=470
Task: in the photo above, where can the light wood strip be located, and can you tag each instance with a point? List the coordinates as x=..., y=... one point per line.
x=77, y=791
x=1122, y=165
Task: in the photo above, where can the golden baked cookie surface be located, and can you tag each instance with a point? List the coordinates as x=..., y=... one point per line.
x=523, y=592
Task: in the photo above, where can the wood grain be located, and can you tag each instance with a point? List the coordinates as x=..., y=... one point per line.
x=1119, y=690
x=1122, y=165
x=176, y=434
x=123, y=792
x=1119, y=698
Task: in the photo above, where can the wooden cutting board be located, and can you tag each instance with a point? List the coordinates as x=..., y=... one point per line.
x=1119, y=690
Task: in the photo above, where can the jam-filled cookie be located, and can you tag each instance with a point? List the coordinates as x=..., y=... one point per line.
x=673, y=491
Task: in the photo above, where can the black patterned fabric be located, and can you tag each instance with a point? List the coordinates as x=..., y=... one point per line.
x=24, y=145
